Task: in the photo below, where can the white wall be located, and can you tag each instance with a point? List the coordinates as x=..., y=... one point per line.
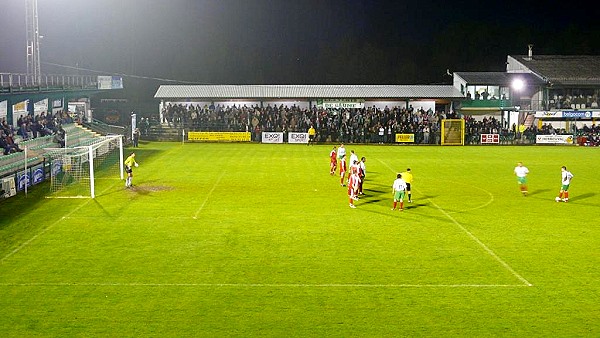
x=3, y=110
x=300, y=104
x=239, y=104
x=187, y=103
x=514, y=66
x=425, y=105
x=383, y=104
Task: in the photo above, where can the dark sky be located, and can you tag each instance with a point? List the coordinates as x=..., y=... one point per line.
x=294, y=41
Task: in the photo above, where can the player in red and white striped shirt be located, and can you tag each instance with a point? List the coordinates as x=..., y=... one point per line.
x=332, y=161
x=343, y=168
x=353, y=183
x=362, y=172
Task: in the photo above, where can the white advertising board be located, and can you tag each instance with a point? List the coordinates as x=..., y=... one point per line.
x=554, y=139
x=298, y=138
x=269, y=137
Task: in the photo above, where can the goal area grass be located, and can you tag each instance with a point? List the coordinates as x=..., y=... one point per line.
x=258, y=240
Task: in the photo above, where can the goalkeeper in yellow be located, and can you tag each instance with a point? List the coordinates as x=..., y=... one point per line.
x=129, y=164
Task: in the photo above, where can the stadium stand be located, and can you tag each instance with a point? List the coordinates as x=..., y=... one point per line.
x=338, y=125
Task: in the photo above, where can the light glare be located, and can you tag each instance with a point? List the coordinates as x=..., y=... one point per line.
x=518, y=84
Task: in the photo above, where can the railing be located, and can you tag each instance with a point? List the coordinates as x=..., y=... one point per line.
x=497, y=104
x=552, y=104
x=17, y=82
x=105, y=129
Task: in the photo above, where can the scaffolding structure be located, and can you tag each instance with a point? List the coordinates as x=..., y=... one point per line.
x=33, y=41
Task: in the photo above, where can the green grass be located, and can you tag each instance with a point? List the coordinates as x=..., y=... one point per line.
x=258, y=240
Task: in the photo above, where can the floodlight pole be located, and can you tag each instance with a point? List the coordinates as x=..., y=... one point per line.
x=33, y=42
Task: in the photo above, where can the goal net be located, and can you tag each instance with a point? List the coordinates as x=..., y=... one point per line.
x=78, y=172
x=453, y=132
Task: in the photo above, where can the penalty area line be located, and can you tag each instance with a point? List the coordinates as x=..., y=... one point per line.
x=481, y=244
x=43, y=231
x=208, y=195
x=474, y=238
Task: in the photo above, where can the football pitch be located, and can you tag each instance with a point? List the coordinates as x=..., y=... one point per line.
x=247, y=240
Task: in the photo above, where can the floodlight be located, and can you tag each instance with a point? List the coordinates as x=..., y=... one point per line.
x=518, y=84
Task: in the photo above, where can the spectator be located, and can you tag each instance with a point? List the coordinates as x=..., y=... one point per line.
x=8, y=144
x=136, y=137
x=59, y=137
x=23, y=131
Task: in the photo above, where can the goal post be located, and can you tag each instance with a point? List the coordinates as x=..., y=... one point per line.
x=453, y=132
x=77, y=172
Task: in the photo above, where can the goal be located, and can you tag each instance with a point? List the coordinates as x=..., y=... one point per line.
x=77, y=172
x=453, y=132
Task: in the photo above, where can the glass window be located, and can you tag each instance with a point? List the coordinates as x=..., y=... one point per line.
x=504, y=93
x=471, y=91
x=494, y=92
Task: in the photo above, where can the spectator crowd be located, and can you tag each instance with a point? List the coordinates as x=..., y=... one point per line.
x=574, y=101
x=332, y=125
x=364, y=125
x=31, y=127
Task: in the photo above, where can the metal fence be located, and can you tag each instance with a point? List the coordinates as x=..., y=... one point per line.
x=17, y=82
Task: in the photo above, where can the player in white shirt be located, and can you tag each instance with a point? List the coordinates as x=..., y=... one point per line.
x=566, y=177
x=341, y=152
x=521, y=171
x=399, y=189
x=353, y=157
x=353, y=163
x=341, y=156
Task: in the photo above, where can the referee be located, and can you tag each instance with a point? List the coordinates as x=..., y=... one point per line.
x=408, y=178
x=311, y=135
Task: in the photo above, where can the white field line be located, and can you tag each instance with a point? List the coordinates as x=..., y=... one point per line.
x=261, y=285
x=474, y=238
x=490, y=201
x=208, y=195
x=482, y=245
x=26, y=243
x=43, y=231
x=270, y=285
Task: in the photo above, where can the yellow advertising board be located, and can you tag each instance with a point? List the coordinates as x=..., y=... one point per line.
x=216, y=136
x=21, y=106
x=405, y=138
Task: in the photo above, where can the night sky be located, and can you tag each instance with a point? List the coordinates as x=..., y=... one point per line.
x=293, y=41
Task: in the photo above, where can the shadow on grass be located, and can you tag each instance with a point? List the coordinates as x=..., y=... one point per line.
x=582, y=197
x=385, y=198
x=145, y=189
x=538, y=191
x=410, y=211
x=578, y=200
x=415, y=205
x=366, y=200
x=375, y=191
x=13, y=208
x=104, y=211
